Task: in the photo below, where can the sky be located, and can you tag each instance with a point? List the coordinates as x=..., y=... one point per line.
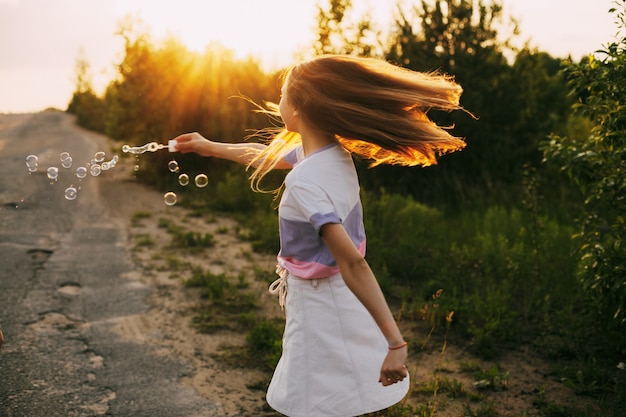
x=41, y=40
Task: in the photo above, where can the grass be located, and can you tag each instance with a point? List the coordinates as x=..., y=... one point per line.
x=191, y=240
x=214, y=286
x=261, y=350
x=138, y=216
x=227, y=305
x=174, y=263
x=232, y=307
x=144, y=240
x=484, y=308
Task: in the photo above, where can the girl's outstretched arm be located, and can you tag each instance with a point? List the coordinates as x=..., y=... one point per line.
x=241, y=153
x=361, y=281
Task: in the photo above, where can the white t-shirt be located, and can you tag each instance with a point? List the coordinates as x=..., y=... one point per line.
x=321, y=188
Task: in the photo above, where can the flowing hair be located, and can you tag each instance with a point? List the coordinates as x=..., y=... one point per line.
x=374, y=109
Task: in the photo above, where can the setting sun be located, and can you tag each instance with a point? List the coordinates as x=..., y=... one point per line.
x=267, y=29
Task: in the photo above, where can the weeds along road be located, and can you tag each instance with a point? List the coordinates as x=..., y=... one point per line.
x=62, y=287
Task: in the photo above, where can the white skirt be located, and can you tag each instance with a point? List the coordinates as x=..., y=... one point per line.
x=332, y=354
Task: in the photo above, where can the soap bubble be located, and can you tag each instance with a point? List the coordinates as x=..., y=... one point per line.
x=105, y=166
x=70, y=193
x=136, y=167
x=67, y=162
x=32, y=161
x=81, y=172
x=95, y=170
x=53, y=173
x=201, y=180
x=99, y=156
x=170, y=198
x=183, y=179
x=64, y=156
x=126, y=148
x=173, y=166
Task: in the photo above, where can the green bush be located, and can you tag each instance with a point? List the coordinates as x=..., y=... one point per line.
x=214, y=286
x=233, y=194
x=597, y=166
x=89, y=109
x=256, y=212
x=264, y=341
x=401, y=238
x=506, y=272
x=261, y=230
x=505, y=280
x=187, y=239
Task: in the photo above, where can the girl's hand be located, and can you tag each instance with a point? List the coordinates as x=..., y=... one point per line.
x=393, y=369
x=193, y=142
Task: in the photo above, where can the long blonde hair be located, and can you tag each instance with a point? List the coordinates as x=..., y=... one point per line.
x=374, y=109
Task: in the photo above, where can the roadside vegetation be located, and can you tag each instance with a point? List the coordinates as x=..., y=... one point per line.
x=522, y=231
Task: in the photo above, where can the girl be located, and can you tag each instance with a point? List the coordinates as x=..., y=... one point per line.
x=343, y=354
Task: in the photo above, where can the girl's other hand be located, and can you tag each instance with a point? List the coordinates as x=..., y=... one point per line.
x=393, y=369
x=193, y=142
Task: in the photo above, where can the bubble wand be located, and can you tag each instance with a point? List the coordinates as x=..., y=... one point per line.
x=149, y=147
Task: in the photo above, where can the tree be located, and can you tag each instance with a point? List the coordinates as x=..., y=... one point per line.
x=85, y=104
x=459, y=37
x=336, y=34
x=127, y=98
x=597, y=165
x=449, y=33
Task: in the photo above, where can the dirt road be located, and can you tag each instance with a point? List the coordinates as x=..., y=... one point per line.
x=67, y=288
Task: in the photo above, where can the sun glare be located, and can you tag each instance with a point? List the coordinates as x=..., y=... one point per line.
x=267, y=30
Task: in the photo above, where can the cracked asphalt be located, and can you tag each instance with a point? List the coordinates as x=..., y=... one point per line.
x=62, y=286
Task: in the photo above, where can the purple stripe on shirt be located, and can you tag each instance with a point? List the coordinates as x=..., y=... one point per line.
x=301, y=240
x=318, y=220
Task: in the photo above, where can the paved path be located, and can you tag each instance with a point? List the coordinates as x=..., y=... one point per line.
x=62, y=285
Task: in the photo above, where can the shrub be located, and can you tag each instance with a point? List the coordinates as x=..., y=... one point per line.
x=597, y=165
x=505, y=273
x=401, y=237
x=214, y=286
x=265, y=342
